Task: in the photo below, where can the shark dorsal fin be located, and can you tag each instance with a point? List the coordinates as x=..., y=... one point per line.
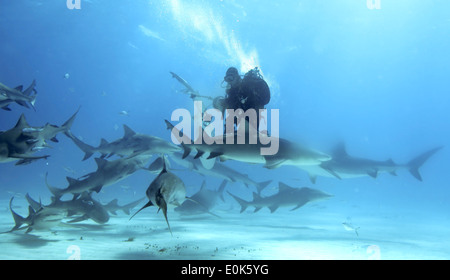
x=340, y=150
x=101, y=162
x=127, y=131
x=19, y=88
x=283, y=187
x=22, y=122
x=103, y=142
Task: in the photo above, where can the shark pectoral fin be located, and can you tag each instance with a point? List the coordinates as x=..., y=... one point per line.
x=79, y=219
x=214, y=155
x=257, y=209
x=163, y=206
x=373, y=173
x=145, y=206
x=273, y=208
x=97, y=189
x=199, y=154
x=331, y=171
x=186, y=151
x=6, y=108
x=299, y=205
x=273, y=162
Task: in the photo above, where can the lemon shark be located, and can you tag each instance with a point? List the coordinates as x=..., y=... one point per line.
x=107, y=173
x=286, y=196
x=166, y=189
x=344, y=165
x=81, y=209
x=218, y=170
x=205, y=200
x=10, y=95
x=131, y=143
x=41, y=219
x=289, y=153
x=23, y=140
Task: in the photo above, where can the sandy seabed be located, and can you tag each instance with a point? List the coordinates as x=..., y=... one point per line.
x=304, y=234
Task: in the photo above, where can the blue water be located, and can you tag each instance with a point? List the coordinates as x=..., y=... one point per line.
x=375, y=78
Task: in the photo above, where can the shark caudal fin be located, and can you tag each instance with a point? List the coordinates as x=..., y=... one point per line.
x=57, y=193
x=18, y=220
x=415, y=164
x=68, y=124
x=244, y=204
x=87, y=149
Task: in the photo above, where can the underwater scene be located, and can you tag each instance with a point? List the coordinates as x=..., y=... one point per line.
x=224, y=130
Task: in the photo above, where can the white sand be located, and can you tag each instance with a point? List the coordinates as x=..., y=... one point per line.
x=311, y=232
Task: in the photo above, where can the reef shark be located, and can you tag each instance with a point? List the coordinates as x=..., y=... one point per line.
x=205, y=201
x=344, y=165
x=107, y=173
x=9, y=95
x=131, y=143
x=286, y=196
x=166, y=189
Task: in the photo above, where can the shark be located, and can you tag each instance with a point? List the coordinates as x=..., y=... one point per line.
x=10, y=95
x=23, y=140
x=131, y=143
x=286, y=196
x=218, y=170
x=107, y=173
x=41, y=220
x=205, y=201
x=85, y=207
x=289, y=153
x=344, y=166
x=113, y=206
x=166, y=189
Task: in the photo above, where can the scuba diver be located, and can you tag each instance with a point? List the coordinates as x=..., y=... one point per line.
x=250, y=92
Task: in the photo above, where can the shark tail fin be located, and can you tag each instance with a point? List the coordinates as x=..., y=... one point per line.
x=126, y=208
x=18, y=220
x=68, y=124
x=244, y=204
x=262, y=185
x=415, y=164
x=57, y=193
x=87, y=149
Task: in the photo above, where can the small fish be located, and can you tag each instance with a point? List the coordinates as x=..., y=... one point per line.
x=124, y=113
x=350, y=227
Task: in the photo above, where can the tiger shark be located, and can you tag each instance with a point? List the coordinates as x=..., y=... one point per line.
x=131, y=143
x=107, y=173
x=344, y=165
x=289, y=153
x=166, y=189
x=9, y=95
x=286, y=196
